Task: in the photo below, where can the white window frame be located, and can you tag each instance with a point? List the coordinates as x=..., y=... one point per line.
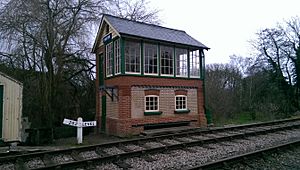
x=152, y=57
x=195, y=61
x=140, y=65
x=145, y=103
x=186, y=102
x=117, y=56
x=161, y=58
x=109, y=59
x=181, y=61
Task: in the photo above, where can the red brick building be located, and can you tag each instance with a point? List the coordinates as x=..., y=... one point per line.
x=148, y=76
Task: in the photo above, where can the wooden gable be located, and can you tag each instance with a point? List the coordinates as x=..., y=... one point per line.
x=105, y=30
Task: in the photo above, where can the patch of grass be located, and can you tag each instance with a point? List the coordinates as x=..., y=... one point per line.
x=243, y=118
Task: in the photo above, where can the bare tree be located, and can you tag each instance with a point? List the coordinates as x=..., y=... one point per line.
x=136, y=10
x=279, y=54
x=52, y=40
x=223, y=83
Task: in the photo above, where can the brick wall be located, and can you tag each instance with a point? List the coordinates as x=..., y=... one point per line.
x=112, y=108
x=127, y=127
x=126, y=116
x=166, y=101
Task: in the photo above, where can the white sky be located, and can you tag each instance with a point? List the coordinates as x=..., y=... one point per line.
x=226, y=26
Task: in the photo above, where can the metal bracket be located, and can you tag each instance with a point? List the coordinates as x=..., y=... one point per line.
x=111, y=91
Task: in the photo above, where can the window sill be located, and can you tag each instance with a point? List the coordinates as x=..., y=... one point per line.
x=181, y=111
x=152, y=113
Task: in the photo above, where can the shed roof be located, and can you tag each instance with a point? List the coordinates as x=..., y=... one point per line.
x=151, y=31
x=10, y=78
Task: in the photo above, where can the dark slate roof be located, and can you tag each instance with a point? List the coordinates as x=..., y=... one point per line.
x=140, y=29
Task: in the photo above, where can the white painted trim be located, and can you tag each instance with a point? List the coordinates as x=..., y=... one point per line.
x=157, y=103
x=151, y=74
x=115, y=57
x=106, y=59
x=127, y=72
x=144, y=64
x=178, y=75
x=167, y=75
x=186, y=100
x=133, y=73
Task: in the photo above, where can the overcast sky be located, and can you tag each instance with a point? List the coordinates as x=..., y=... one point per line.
x=226, y=26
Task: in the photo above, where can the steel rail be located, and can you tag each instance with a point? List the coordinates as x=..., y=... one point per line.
x=111, y=158
x=244, y=157
x=19, y=158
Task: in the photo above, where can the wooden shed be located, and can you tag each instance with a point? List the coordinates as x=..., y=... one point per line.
x=10, y=108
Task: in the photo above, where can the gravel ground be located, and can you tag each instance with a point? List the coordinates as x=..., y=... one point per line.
x=153, y=144
x=186, y=139
x=187, y=157
x=212, y=135
x=134, y=147
x=182, y=159
x=62, y=158
x=107, y=166
x=171, y=141
x=199, y=137
x=104, y=166
x=34, y=163
x=285, y=160
x=8, y=166
x=113, y=151
x=88, y=154
x=87, y=140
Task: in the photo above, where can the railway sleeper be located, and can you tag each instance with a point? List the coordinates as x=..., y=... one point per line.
x=148, y=158
x=122, y=164
x=47, y=160
x=76, y=156
x=20, y=164
x=124, y=148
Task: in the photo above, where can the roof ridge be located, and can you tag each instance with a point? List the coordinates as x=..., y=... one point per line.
x=140, y=22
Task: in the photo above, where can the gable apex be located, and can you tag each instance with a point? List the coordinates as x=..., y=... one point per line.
x=102, y=32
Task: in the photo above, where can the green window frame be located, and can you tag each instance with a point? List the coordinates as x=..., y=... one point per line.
x=181, y=59
x=132, y=51
x=109, y=59
x=195, y=63
x=166, y=61
x=150, y=59
x=117, y=55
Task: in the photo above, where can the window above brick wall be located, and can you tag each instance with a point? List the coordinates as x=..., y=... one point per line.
x=151, y=103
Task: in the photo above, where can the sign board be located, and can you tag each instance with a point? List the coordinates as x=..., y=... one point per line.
x=79, y=124
x=88, y=124
x=107, y=38
x=70, y=122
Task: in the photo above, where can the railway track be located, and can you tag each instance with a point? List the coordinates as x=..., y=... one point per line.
x=245, y=158
x=119, y=155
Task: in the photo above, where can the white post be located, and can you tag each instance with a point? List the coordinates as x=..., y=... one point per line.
x=79, y=130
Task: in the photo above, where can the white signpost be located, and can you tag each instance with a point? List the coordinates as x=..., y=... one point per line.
x=79, y=124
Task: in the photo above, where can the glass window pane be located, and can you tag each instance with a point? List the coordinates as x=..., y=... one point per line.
x=151, y=103
x=166, y=60
x=194, y=63
x=132, y=56
x=109, y=59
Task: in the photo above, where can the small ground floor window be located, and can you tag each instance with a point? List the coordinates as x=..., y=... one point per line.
x=180, y=102
x=151, y=103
